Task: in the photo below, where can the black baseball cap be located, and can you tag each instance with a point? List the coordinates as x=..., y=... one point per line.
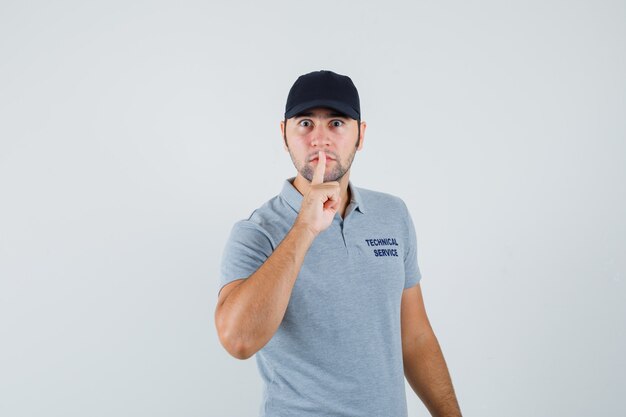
x=323, y=89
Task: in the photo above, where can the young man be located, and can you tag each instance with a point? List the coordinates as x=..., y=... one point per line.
x=322, y=283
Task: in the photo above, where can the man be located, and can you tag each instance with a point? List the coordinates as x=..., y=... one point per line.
x=322, y=283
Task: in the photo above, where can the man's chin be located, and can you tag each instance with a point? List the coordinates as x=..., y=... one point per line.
x=326, y=178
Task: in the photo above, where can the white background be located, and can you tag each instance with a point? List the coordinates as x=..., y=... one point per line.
x=134, y=134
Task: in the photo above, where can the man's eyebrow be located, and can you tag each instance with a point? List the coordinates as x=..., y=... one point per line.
x=327, y=115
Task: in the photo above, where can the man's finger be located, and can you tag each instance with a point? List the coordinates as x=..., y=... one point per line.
x=318, y=175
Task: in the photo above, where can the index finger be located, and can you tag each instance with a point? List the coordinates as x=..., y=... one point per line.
x=318, y=175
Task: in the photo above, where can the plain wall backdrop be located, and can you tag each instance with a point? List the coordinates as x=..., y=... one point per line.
x=134, y=134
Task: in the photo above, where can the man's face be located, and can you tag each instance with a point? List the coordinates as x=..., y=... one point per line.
x=322, y=129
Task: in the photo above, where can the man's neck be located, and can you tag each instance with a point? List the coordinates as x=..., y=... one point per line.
x=302, y=185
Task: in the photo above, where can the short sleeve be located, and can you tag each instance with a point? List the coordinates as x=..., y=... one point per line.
x=247, y=247
x=411, y=268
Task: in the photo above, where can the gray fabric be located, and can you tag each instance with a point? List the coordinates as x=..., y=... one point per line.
x=338, y=350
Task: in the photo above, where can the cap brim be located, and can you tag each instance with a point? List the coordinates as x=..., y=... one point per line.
x=335, y=105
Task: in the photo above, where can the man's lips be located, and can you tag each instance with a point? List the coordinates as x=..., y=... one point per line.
x=328, y=158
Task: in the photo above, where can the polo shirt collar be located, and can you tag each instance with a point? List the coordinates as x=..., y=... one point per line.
x=293, y=197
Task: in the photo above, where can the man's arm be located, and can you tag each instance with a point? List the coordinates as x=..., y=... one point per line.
x=424, y=365
x=249, y=315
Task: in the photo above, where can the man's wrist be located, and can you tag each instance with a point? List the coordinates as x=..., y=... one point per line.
x=304, y=231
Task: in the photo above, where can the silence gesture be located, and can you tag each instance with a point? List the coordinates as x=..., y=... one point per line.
x=321, y=202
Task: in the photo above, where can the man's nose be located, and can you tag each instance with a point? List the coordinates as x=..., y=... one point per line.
x=320, y=135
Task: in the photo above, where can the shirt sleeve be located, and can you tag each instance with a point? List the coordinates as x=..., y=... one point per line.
x=411, y=268
x=247, y=247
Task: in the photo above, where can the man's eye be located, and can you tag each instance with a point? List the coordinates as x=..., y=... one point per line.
x=305, y=123
x=337, y=123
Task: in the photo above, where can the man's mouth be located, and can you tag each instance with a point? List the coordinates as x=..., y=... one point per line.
x=328, y=158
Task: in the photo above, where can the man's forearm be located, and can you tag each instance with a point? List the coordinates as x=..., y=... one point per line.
x=252, y=312
x=427, y=373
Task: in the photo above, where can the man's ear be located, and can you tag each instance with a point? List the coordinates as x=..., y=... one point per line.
x=362, y=136
x=282, y=133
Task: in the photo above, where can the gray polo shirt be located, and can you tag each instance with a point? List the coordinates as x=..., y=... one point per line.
x=338, y=350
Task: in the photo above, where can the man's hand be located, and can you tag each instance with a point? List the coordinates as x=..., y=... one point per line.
x=321, y=202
